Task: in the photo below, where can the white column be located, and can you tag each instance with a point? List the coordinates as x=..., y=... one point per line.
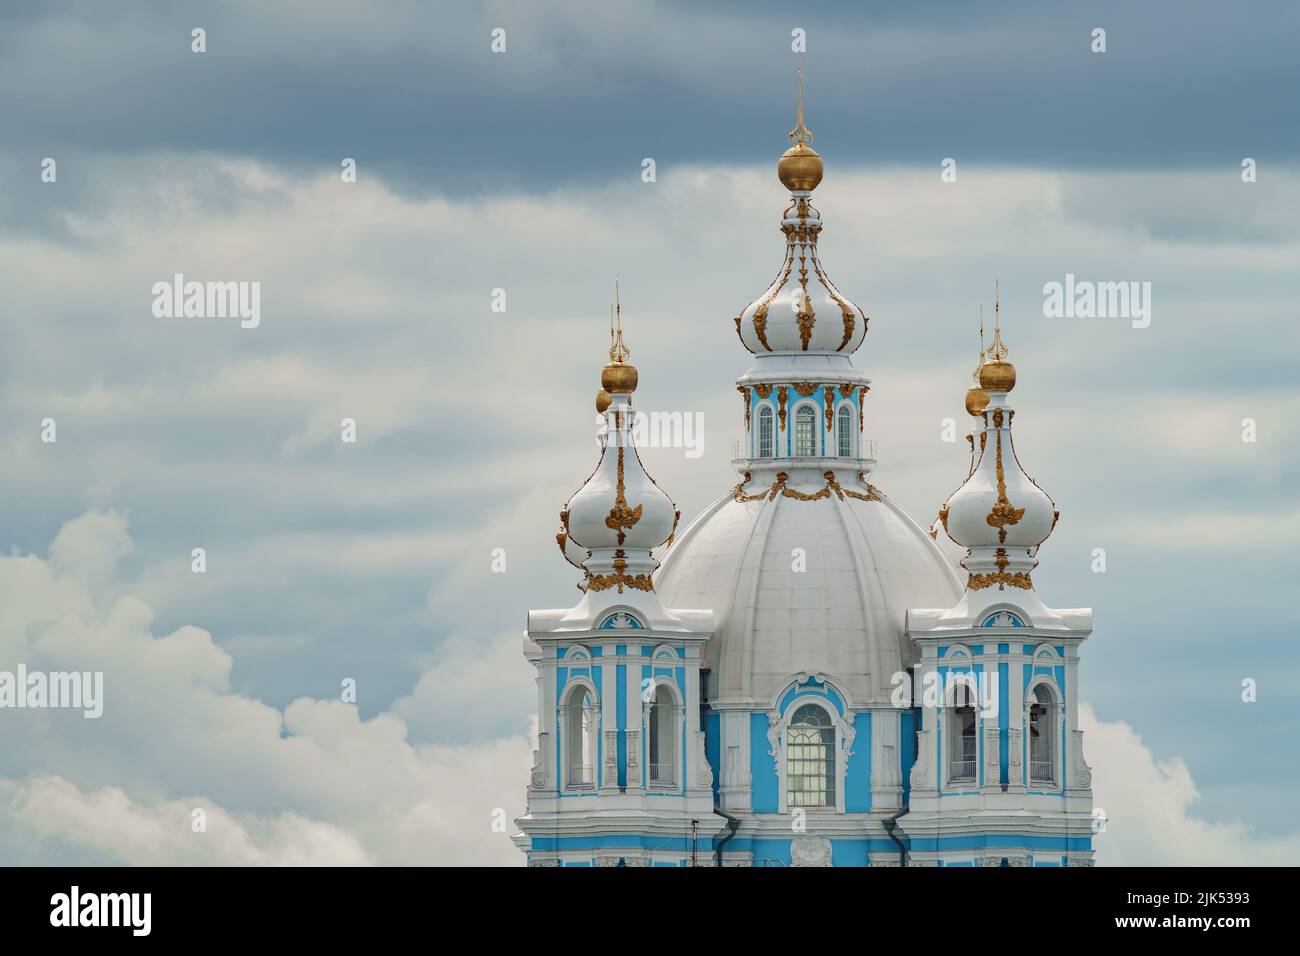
x=547, y=723
x=886, y=775
x=735, y=791
x=695, y=763
x=635, y=720
x=608, y=770
x=926, y=774
x=1017, y=772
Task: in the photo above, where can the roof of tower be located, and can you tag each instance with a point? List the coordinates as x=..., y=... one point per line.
x=802, y=310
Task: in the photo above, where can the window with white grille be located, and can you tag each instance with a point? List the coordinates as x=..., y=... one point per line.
x=844, y=431
x=805, y=431
x=765, y=441
x=810, y=759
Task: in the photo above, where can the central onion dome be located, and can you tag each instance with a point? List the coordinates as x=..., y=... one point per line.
x=801, y=311
x=807, y=567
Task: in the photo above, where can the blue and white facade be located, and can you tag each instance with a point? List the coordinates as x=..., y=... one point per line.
x=807, y=679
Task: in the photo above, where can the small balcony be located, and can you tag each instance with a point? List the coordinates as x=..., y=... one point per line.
x=1042, y=772
x=580, y=777
x=962, y=771
x=661, y=775
x=863, y=461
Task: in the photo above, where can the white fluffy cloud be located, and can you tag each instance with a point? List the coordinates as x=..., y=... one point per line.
x=163, y=834
x=1149, y=802
x=313, y=784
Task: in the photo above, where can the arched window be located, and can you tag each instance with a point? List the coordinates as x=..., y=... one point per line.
x=578, y=718
x=962, y=740
x=805, y=431
x=810, y=759
x=1042, y=736
x=765, y=432
x=844, y=431
x=663, y=738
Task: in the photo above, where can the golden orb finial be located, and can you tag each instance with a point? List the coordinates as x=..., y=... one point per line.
x=617, y=378
x=800, y=167
x=997, y=374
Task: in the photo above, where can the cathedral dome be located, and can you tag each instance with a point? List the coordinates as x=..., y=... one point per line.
x=864, y=563
x=801, y=311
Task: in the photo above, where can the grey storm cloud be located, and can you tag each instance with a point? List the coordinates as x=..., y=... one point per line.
x=587, y=89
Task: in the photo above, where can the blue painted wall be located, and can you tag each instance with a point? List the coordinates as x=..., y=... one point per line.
x=762, y=768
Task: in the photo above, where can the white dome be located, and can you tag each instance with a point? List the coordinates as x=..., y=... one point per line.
x=866, y=563
x=999, y=506
x=802, y=310
x=619, y=506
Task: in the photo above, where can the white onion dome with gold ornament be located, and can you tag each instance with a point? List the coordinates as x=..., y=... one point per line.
x=620, y=506
x=619, y=509
x=802, y=310
x=999, y=514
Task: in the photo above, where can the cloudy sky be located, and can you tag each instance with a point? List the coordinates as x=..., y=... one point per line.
x=522, y=171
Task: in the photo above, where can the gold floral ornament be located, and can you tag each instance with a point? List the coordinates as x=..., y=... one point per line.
x=832, y=487
x=1003, y=512
x=621, y=579
x=738, y=492
x=806, y=318
x=1001, y=577
x=621, y=518
x=978, y=582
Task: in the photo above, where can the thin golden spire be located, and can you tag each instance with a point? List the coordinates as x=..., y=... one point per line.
x=996, y=350
x=979, y=363
x=618, y=352
x=801, y=133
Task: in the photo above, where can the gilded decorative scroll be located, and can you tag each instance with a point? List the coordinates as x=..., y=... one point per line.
x=1003, y=512
x=621, y=517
